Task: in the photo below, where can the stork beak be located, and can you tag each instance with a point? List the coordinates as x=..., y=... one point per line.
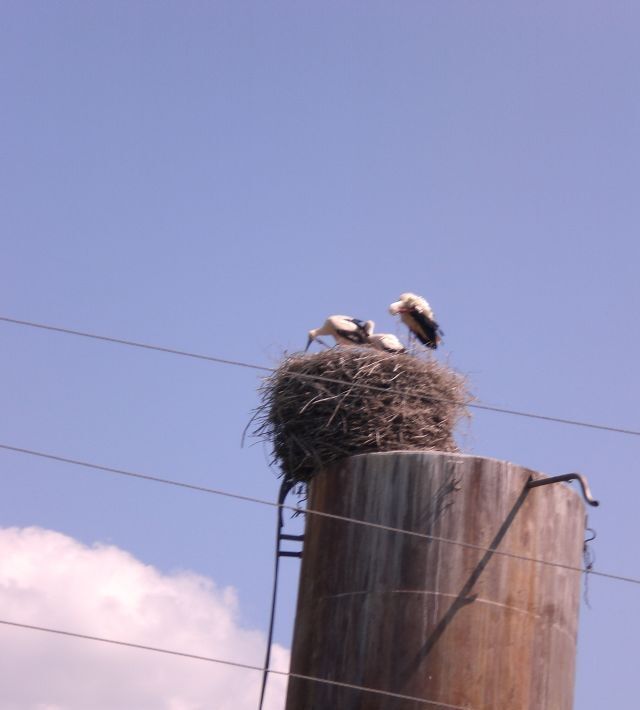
x=309, y=341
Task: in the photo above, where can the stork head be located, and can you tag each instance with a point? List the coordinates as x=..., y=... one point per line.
x=408, y=301
x=369, y=325
x=398, y=306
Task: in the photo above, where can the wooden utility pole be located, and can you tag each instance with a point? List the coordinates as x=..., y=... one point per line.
x=455, y=625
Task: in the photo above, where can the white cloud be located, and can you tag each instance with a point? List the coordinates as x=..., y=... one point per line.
x=49, y=579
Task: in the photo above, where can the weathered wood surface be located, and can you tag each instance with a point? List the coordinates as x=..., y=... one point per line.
x=451, y=624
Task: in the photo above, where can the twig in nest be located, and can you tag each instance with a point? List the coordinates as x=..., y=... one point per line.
x=316, y=409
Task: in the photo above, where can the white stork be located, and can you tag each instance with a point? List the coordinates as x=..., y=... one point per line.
x=344, y=329
x=387, y=342
x=417, y=315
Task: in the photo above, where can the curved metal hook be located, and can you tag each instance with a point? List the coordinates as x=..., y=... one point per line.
x=586, y=492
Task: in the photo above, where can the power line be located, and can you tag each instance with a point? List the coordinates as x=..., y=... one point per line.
x=234, y=664
x=135, y=344
x=373, y=388
x=308, y=511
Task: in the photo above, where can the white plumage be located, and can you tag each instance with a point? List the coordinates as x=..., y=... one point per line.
x=415, y=312
x=387, y=342
x=344, y=329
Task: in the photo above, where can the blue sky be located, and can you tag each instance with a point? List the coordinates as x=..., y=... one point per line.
x=220, y=177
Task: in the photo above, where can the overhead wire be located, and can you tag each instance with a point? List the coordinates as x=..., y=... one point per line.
x=157, y=479
x=234, y=664
x=321, y=378
x=133, y=343
x=311, y=511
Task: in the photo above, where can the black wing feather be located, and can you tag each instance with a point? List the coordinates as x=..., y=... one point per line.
x=427, y=331
x=359, y=336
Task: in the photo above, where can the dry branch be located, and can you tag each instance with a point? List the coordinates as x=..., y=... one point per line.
x=316, y=409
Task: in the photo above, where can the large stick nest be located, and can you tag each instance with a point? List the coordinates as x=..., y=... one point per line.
x=316, y=409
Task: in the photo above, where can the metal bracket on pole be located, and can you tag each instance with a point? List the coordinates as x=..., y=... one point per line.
x=287, y=553
x=280, y=536
x=586, y=492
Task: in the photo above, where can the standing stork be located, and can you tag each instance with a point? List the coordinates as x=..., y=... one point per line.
x=386, y=342
x=344, y=329
x=417, y=315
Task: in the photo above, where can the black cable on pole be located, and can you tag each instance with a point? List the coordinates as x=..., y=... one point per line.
x=133, y=344
x=285, y=487
x=373, y=388
x=310, y=511
x=234, y=664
